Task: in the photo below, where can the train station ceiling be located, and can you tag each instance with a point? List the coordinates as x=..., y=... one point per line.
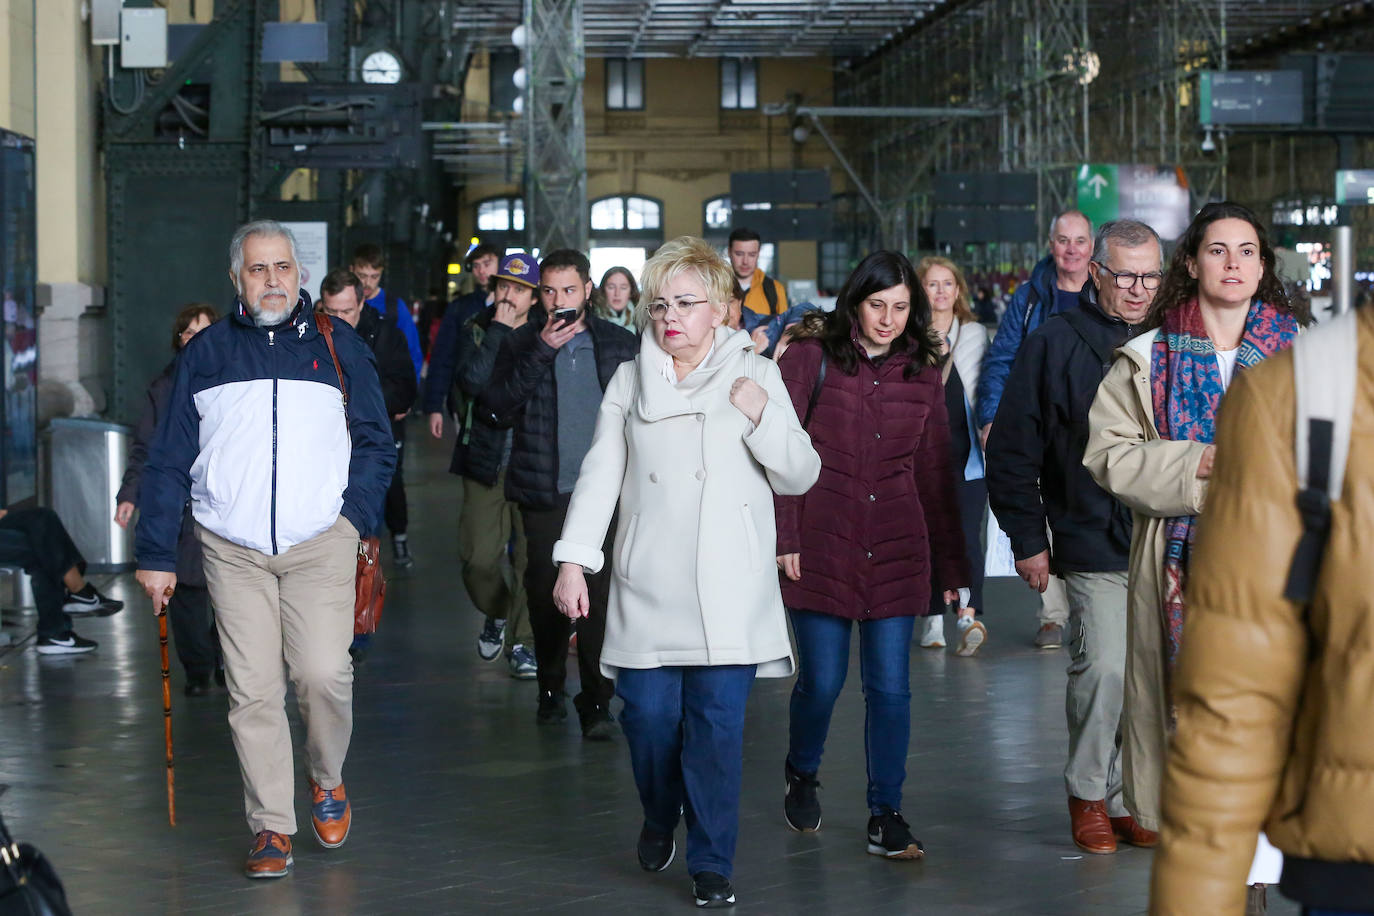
x=718, y=28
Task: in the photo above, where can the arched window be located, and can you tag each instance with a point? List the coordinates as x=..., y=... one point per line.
x=627, y=214
x=501, y=214
x=626, y=229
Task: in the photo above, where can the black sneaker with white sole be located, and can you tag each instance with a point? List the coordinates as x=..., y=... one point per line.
x=801, y=808
x=67, y=644
x=712, y=891
x=655, y=850
x=890, y=837
x=90, y=603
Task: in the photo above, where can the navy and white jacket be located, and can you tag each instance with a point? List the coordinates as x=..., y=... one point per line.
x=255, y=431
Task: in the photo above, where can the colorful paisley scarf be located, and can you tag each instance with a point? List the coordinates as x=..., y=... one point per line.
x=1185, y=386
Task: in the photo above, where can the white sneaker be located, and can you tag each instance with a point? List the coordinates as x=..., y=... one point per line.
x=933, y=632
x=972, y=635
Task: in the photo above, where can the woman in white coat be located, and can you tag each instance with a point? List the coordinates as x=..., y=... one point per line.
x=693, y=439
x=964, y=341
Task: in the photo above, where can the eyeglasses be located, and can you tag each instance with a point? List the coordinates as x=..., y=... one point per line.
x=1125, y=280
x=658, y=309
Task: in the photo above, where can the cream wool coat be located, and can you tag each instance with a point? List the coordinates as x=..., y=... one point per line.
x=694, y=576
x=1157, y=478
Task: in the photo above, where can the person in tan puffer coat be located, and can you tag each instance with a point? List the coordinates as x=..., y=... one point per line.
x=1274, y=698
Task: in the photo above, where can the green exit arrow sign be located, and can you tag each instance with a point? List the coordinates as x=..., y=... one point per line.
x=1099, y=192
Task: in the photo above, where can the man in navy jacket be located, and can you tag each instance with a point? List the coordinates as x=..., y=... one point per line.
x=285, y=464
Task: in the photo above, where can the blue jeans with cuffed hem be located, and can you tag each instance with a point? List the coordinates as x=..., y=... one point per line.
x=685, y=730
x=823, y=663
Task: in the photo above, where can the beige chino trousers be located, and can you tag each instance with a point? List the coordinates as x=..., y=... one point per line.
x=279, y=616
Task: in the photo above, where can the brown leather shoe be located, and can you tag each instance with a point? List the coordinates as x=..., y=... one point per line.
x=1128, y=831
x=1092, y=829
x=270, y=856
x=331, y=815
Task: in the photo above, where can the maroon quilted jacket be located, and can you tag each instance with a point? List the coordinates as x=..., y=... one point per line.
x=883, y=519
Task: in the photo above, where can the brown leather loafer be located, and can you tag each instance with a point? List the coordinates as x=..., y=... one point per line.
x=331, y=815
x=1131, y=833
x=1092, y=829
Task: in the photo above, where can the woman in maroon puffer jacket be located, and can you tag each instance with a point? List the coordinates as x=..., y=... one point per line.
x=876, y=533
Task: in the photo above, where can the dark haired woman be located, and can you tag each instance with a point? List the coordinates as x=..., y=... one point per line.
x=620, y=295
x=193, y=624
x=878, y=531
x=1220, y=309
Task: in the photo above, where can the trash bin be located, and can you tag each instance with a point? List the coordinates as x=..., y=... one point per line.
x=84, y=463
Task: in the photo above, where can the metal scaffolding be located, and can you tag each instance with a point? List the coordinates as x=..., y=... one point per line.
x=556, y=132
x=1077, y=81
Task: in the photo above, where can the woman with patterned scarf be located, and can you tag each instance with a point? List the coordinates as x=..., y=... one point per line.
x=1220, y=309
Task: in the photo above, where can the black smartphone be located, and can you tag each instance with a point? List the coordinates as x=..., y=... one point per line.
x=564, y=317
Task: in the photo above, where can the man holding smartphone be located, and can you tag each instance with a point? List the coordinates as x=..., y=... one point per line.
x=547, y=384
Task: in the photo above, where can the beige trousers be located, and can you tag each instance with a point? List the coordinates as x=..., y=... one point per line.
x=279, y=616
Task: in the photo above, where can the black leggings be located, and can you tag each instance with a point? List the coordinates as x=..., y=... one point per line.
x=36, y=540
x=543, y=528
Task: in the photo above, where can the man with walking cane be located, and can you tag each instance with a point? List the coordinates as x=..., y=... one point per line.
x=283, y=472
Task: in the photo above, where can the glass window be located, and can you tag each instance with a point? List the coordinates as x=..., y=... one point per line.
x=641, y=213
x=739, y=83
x=501, y=214
x=624, y=84
x=608, y=214
x=616, y=214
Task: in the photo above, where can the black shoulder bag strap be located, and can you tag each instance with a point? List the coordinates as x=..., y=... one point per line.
x=815, y=392
x=770, y=292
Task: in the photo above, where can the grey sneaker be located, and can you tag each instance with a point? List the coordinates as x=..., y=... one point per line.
x=489, y=641
x=1051, y=636
x=522, y=664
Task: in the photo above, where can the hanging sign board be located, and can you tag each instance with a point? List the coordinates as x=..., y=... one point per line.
x=1154, y=195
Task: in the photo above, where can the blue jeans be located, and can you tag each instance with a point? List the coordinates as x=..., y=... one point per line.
x=685, y=730
x=823, y=662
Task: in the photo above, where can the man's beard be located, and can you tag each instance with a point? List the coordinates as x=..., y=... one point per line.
x=264, y=317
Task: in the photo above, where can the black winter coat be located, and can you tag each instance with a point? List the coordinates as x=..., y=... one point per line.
x=190, y=562
x=481, y=444
x=1035, y=452
x=522, y=394
x=394, y=365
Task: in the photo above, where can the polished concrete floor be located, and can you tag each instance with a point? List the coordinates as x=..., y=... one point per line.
x=462, y=805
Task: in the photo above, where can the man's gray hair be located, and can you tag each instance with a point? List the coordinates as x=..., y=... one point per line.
x=1126, y=233
x=267, y=227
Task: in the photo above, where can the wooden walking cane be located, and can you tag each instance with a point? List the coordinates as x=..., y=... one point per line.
x=167, y=705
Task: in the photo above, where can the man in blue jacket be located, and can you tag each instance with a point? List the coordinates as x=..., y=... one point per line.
x=1053, y=287
x=285, y=456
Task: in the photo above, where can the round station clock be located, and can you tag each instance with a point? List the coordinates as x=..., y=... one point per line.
x=381, y=67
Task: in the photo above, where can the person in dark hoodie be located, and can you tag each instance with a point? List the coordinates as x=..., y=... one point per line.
x=1035, y=475
x=193, y=621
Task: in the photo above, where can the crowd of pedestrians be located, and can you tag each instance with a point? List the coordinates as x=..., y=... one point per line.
x=695, y=484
